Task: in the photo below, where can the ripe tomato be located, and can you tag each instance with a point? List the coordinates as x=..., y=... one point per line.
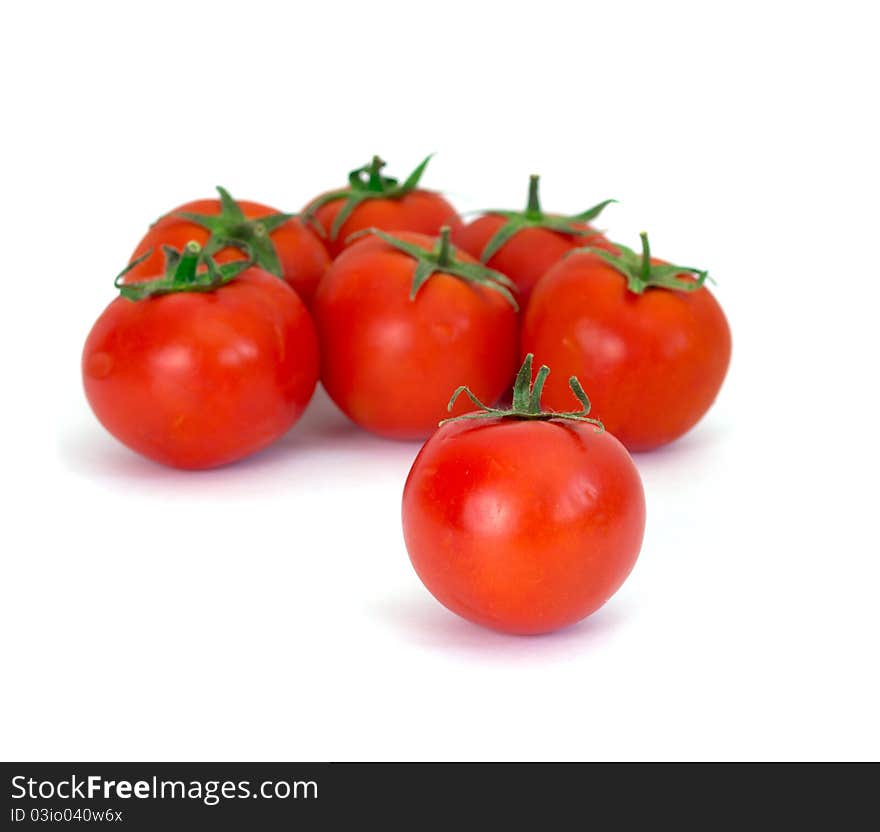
x=524, y=245
x=648, y=340
x=523, y=521
x=375, y=201
x=401, y=320
x=281, y=244
x=199, y=369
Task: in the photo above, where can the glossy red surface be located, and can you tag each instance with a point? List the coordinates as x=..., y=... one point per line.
x=523, y=526
x=197, y=380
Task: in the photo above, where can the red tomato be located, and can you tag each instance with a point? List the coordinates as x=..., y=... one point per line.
x=283, y=246
x=536, y=240
x=389, y=357
x=375, y=201
x=523, y=525
x=197, y=379
x=652, y=354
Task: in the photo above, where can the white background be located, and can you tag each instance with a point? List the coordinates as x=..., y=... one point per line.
x=268, y=610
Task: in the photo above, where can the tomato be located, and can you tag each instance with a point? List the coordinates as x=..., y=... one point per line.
x=201, y=369
x=524, y=245
x=401, y=320
x=281, y=243
x=647, y=338
x=523, y=521
x=375, y=201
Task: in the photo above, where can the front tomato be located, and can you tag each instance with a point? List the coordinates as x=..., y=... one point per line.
x=523, y=521
x=196, y=370
x=401, y=320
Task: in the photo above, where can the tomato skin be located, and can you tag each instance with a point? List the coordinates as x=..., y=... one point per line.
x=528, y=254
x=391, y=363
x=302, y=256
x=523, y=526
x=652, y=363
x=424, y=212
x=201, y=379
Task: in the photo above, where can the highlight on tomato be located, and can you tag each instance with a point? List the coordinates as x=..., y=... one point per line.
x=523, y=520
x=372, y=200
x=646, y=337
x=281, y=244
x=202, y=366
x=525, y=244
x=402, y=319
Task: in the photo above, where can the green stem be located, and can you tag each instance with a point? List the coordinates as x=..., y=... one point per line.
x=375, y=172
x=182, y=273
x=538, y=389
x=364, y=183
x=646, y=257
x=573, y=225
x=443, y=249
x=641, y=272
x=527, y=400
x=442, y=257
x=533, y=207
x=185, y=273
x=231, y=227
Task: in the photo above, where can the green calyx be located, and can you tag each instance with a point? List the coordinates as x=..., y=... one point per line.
x=442, y=258
x=527, y=400
x=534, y=217
x=232, y=228
x=182, y=273
x=640, y=272
x=363, y=184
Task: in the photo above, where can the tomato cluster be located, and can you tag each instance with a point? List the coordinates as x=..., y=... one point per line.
x=523, y=517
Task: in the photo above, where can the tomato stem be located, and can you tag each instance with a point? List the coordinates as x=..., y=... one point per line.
x=231, y=228
x=443, y=249
x=646, y=256
x=185, y=271
x=182, y=273
x=641, y=273
x=527, y=400
x=364, y=183
x=533, y=206
x=442, y=257
x=574, y=225
x=374, y=171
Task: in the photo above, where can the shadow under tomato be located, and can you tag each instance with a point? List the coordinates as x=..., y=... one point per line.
x=694, y=458
x=427, y=623
x=323, y=432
